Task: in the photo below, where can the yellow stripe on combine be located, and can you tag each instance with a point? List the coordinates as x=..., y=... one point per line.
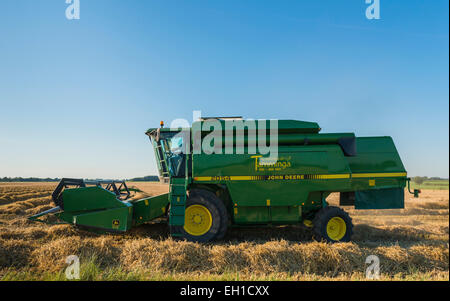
x=243, y=178
x=226, y=178
x=203, y=179
x=272, y=178
x=301, y=177
x=379, y=175
x=329, y=177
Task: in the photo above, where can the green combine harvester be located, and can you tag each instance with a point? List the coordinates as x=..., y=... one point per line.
x=209, y=193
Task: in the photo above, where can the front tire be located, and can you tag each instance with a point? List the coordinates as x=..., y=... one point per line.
x=333, y=225
x=206, y=217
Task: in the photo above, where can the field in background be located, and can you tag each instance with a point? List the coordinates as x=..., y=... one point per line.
x=431, y=185
x=412, y=245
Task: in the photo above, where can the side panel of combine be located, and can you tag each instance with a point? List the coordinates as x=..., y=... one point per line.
x=265, y=191
x=378, y=175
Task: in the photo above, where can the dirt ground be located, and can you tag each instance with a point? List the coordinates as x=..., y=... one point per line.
x=412, y=244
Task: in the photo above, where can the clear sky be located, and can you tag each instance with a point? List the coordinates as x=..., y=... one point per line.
x=76, y=97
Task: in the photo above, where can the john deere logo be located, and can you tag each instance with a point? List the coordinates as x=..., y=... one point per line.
x=116, y=223
x=269, y=164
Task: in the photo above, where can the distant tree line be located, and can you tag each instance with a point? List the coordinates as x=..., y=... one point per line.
x=20, y=179
x=421, y=180
x=145, y=179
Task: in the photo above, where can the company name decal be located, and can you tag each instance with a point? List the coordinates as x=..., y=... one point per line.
x=270, y=164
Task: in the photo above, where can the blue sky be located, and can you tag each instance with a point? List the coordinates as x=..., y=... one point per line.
x=77, y=96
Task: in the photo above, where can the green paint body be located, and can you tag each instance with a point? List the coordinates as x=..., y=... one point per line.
x=298, y=183
x=95, y=208
x=255, y=190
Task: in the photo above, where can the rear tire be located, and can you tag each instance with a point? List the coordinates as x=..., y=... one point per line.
x=206, y=217
x=333, y=225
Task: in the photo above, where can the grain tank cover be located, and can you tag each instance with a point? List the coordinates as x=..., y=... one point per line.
x=294, y=126
x=284, y=126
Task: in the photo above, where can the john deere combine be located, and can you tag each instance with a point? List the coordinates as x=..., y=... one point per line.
x=235, y=186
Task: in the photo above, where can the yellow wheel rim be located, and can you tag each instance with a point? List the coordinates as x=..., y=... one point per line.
x=336, y=228
x=198, y=220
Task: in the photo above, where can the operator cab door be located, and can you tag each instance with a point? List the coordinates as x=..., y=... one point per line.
x=173, y=150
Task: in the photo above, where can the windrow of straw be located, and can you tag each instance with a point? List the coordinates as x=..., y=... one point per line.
x=170, y=256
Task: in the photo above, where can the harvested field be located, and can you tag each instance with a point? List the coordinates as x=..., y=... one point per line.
x=412, y=244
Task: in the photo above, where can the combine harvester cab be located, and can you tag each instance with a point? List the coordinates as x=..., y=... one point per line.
x=234, y=186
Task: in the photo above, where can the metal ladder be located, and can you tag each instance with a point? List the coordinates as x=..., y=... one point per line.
x=162, y=162
x=177, y=198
